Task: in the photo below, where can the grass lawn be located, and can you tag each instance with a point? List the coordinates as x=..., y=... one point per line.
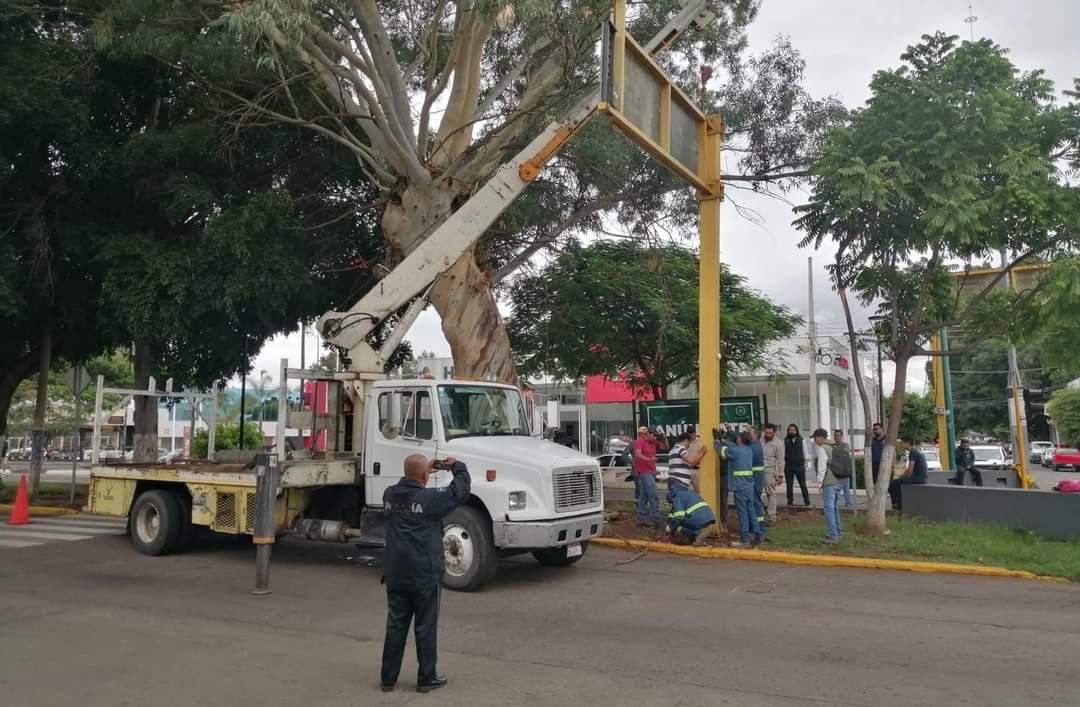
x=961, y=543
x=50, y=493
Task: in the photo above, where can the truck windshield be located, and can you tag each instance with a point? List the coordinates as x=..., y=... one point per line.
x=479, y=410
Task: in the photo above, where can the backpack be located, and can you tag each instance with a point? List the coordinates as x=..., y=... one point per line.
x=840, y=463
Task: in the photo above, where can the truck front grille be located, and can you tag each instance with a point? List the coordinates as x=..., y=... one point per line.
x=576, y=488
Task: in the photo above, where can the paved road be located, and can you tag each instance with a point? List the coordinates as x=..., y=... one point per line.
x=94, y=624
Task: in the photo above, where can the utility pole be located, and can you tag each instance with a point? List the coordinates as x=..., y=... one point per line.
x=1017, y=415
x=37, y=431
x=812, y=330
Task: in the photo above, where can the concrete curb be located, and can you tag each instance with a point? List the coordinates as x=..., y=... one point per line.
x=794, y=558
x=42, y=510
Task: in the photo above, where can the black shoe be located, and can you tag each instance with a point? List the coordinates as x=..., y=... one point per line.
x=386, y=688
x=954, y=481
x=429, y=686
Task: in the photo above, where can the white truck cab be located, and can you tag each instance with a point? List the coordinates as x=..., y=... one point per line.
x=528, y=494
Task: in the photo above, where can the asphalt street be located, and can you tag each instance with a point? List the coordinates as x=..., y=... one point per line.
x=94, y=624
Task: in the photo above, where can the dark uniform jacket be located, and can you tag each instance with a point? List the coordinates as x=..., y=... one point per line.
x=414, y=537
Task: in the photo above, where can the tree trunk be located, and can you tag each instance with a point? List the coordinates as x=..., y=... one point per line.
x=463, y=296
x=41, y=405
x=868, y=478
x=875, y=514
x=146, y=408
x=12, y=375
x=472, y=323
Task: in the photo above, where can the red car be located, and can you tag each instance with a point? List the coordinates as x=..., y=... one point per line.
x=1066, y=456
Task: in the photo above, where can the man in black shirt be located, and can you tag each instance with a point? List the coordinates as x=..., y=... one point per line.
x=413, y=564
x=914, y=474
x=877, y=444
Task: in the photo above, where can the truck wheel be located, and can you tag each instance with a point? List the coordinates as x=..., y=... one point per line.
x=154, y=523
x=556, y=556
x=469, y=550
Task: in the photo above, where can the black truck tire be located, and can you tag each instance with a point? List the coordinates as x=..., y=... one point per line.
x=154, y=522
x=471, y=558
x=556, y=556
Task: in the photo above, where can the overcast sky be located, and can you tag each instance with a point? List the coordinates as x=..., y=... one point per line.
x=843, y=42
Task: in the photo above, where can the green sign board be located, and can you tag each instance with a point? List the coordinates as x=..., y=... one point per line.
x=674, y=416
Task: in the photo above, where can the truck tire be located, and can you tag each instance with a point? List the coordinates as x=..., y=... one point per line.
x=154, y=522
x=556, y=556
x=470, y=554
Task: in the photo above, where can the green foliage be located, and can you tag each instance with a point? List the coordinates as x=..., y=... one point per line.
x=918, y=418
x=954, y=157
x=1064, y=409
x=1056, y=329
x=227, y=436
x=980, y=378
x=620, y=306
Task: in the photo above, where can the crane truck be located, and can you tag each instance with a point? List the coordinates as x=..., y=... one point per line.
x=528, y=494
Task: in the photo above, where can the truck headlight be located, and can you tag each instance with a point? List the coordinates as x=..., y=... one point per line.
x=517, y=500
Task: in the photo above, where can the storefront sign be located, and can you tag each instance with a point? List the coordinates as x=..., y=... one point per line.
x=673, y=417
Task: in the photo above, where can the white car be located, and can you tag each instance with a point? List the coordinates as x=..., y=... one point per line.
x=990, y=456
x=1047, y=457
x=933, y=458
x=1038, y=449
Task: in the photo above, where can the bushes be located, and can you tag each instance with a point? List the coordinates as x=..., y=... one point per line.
x=227, y=437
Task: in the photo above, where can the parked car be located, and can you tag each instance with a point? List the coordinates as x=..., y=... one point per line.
x=609, y=461
x=1048, y=457
x=990, y=456
x=1066, y=456
x=933, y=458
x=1037, y=449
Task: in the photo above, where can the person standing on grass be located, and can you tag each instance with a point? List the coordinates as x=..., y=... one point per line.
x=736, y=450
x=831, y=486
x=877, y=445
x=684, y=459
x=795, y=465
x=774, y=452
x=758, y=468
x=839, y=445
x=915, y=473
x=648, y=506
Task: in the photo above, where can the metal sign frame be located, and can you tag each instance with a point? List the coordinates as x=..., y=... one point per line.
x=619, y=50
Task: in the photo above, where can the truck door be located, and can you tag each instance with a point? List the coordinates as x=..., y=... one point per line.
x=390, y=446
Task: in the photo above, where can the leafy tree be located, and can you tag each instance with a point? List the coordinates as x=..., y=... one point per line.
x=918, y=417
x=954, y=157
x=432, y=96
x=1064, y=409
x=226, y=436
x=980, y=380
x=616, y=307
x=1056, y=329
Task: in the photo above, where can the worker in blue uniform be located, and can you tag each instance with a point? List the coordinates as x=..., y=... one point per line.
x=690, y=516
x=736, y=450
x=414, y=562
x=758, y=467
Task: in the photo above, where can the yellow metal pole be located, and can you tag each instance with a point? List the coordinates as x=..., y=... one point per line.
x=709, y=311
x=1020, y=457
x=939, y=401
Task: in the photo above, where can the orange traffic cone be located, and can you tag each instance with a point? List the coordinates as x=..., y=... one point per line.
x=20, y=514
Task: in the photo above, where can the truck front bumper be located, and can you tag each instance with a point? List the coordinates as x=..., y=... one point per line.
x=548, y=533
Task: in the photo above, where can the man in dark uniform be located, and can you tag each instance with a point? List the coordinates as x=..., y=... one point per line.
x=413, y=565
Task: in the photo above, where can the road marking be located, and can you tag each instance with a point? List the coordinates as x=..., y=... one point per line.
x=18, y=543
x=85, y=520
x=13, y=533
x=77, y=528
